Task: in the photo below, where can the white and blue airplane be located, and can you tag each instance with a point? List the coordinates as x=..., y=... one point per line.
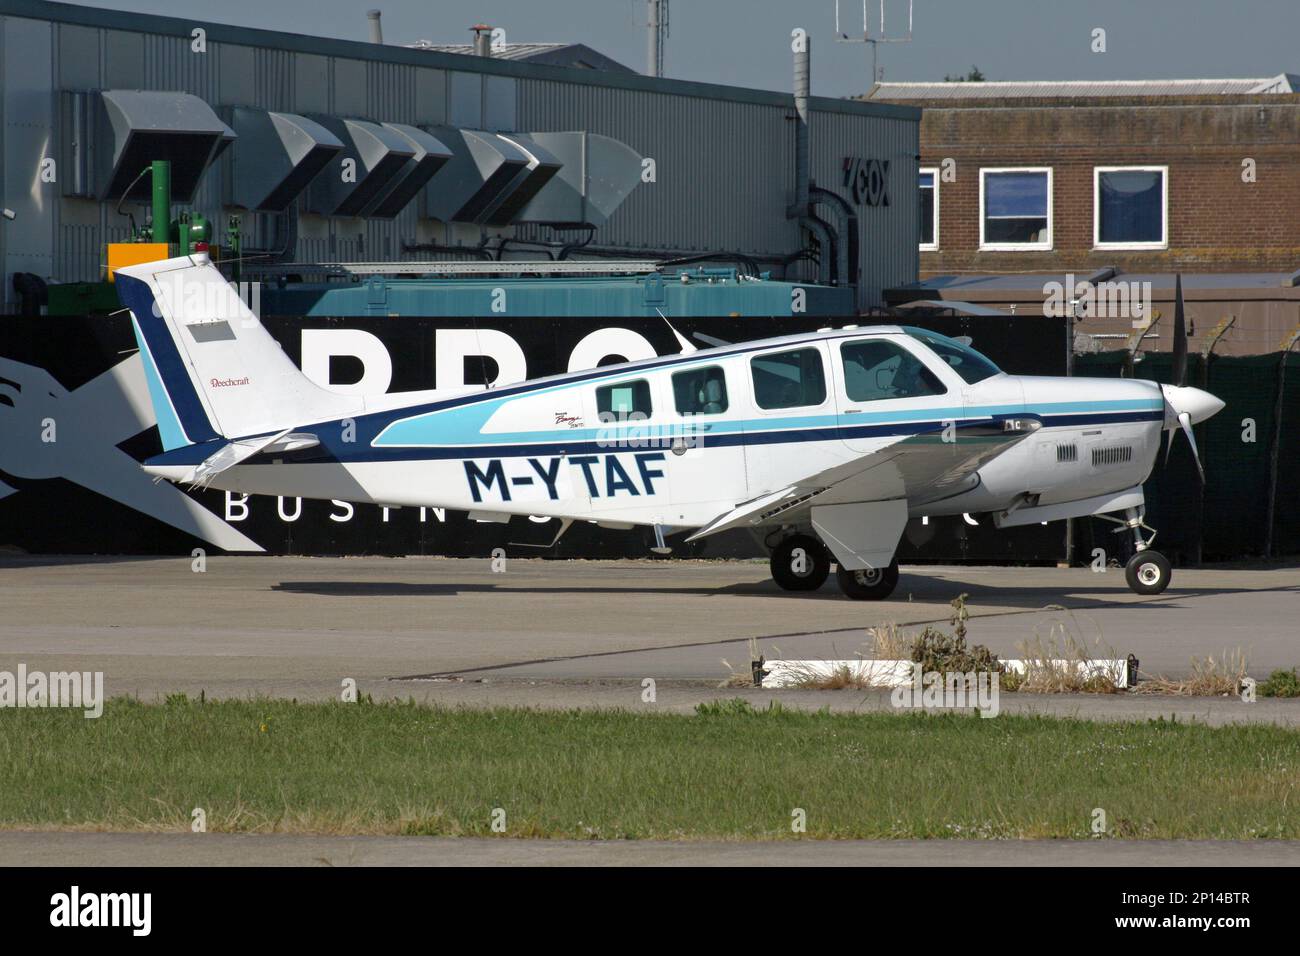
x=823, y=444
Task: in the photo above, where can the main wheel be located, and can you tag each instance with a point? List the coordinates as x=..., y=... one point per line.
x=800, y=563
x=869, y=584
x=1148, y=572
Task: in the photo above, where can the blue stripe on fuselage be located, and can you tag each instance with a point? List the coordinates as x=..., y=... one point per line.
x=333, y=449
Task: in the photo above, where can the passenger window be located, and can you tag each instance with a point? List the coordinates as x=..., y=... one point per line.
x=789, y=379
x=877, y=369
x=700, y=391
x=623, y=401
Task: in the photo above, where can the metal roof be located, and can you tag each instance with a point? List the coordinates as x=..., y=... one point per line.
x=1045, y=89
x=555, y=54
x=390, y=53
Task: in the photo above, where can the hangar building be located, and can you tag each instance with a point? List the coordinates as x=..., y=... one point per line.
x=450, y=156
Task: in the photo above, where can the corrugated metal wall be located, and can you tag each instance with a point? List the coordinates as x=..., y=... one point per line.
x=724, y=166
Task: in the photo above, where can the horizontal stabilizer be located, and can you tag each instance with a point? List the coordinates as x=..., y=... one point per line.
x=235, y=452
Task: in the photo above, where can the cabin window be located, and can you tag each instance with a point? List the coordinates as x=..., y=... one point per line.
x=972, y=366
x=1130, y=207
x=789, y=379
x=624, y=401
x=701, y=391
x=1015, y=209
x=877, y=369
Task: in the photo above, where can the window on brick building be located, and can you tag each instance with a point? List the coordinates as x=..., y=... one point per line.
x=1016, y=208
x=1130, y=206
x=929, y=184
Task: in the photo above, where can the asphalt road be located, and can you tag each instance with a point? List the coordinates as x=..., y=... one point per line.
x=575, y=629
x=586, y=634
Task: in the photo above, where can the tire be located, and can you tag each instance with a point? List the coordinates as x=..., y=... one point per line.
x=874, y=584
x=1148, y=572
x=813, y=560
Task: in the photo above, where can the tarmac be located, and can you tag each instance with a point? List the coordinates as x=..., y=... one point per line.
x=566, y=634
x=589, y=633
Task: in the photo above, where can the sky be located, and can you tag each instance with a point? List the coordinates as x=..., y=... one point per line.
x=747, y=42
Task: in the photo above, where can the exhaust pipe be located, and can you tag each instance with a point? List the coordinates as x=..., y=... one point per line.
x=802, y=84
x=482, y=39
x=376, y=30
x=658, y=16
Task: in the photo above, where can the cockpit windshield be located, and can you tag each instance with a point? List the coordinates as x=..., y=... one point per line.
x=964, y=360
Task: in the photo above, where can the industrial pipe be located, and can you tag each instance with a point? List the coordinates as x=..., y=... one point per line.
x=654, y=55
x=376, y=30
x=802, y=84
x=160, y=177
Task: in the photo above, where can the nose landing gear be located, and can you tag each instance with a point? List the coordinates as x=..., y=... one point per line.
x=1148, y=571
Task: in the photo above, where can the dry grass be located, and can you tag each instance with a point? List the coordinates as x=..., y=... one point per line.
x=1059, y=662
x=1210, y=677
x=889, y=643
x=842, y=677
x=745, y=677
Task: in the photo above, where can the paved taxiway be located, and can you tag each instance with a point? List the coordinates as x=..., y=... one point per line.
x=585, y=632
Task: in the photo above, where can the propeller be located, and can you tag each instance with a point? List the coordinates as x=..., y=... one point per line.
x=1180, y=334
x=1181, y=401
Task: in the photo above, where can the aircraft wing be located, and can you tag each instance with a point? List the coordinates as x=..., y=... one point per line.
x=860, y=504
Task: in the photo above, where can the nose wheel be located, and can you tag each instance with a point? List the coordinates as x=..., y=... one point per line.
x=1147, y=572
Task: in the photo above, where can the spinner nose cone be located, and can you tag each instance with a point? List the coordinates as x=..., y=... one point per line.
x=1198, y=405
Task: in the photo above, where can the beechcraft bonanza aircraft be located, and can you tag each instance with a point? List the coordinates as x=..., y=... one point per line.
x=823, y=443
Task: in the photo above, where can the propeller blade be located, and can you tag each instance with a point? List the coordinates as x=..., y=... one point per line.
x=1180, y=334
x=1185, y=420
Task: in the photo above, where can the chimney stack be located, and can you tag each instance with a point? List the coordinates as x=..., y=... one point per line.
x=376, y=31
x=482, y=39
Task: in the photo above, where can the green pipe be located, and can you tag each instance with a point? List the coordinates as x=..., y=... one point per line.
x=162, y=199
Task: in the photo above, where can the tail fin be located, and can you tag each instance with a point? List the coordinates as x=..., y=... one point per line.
x=213, y=370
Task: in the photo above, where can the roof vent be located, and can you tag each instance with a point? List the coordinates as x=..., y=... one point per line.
x=276, y=157
x=368, y=166
x=430, y=156
x=596, y=175
x=147, y=125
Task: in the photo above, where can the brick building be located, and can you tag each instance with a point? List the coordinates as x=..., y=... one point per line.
x=1151, y=177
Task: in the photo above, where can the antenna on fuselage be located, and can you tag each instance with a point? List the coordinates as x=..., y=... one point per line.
x=686, y=347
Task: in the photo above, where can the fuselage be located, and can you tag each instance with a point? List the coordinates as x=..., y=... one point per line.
x=677, y=440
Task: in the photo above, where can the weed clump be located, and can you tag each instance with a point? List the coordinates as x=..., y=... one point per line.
x=936, y=650
x=1281, y=683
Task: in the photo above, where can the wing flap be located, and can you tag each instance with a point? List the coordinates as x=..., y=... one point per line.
x=917, y=468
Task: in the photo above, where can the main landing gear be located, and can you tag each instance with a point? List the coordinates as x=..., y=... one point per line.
x=869, y=584
x=802, y=563
x=1148, y=571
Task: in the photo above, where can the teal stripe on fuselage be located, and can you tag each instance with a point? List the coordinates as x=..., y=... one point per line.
x=169, y=425
x=464, y=425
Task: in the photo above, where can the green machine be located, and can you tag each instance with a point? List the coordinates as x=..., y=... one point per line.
x=183, y=235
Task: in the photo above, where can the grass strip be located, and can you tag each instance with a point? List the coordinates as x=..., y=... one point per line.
x=729, y=772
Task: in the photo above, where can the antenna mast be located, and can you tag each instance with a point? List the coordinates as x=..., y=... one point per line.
x=658, y=27
x=842, y=37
